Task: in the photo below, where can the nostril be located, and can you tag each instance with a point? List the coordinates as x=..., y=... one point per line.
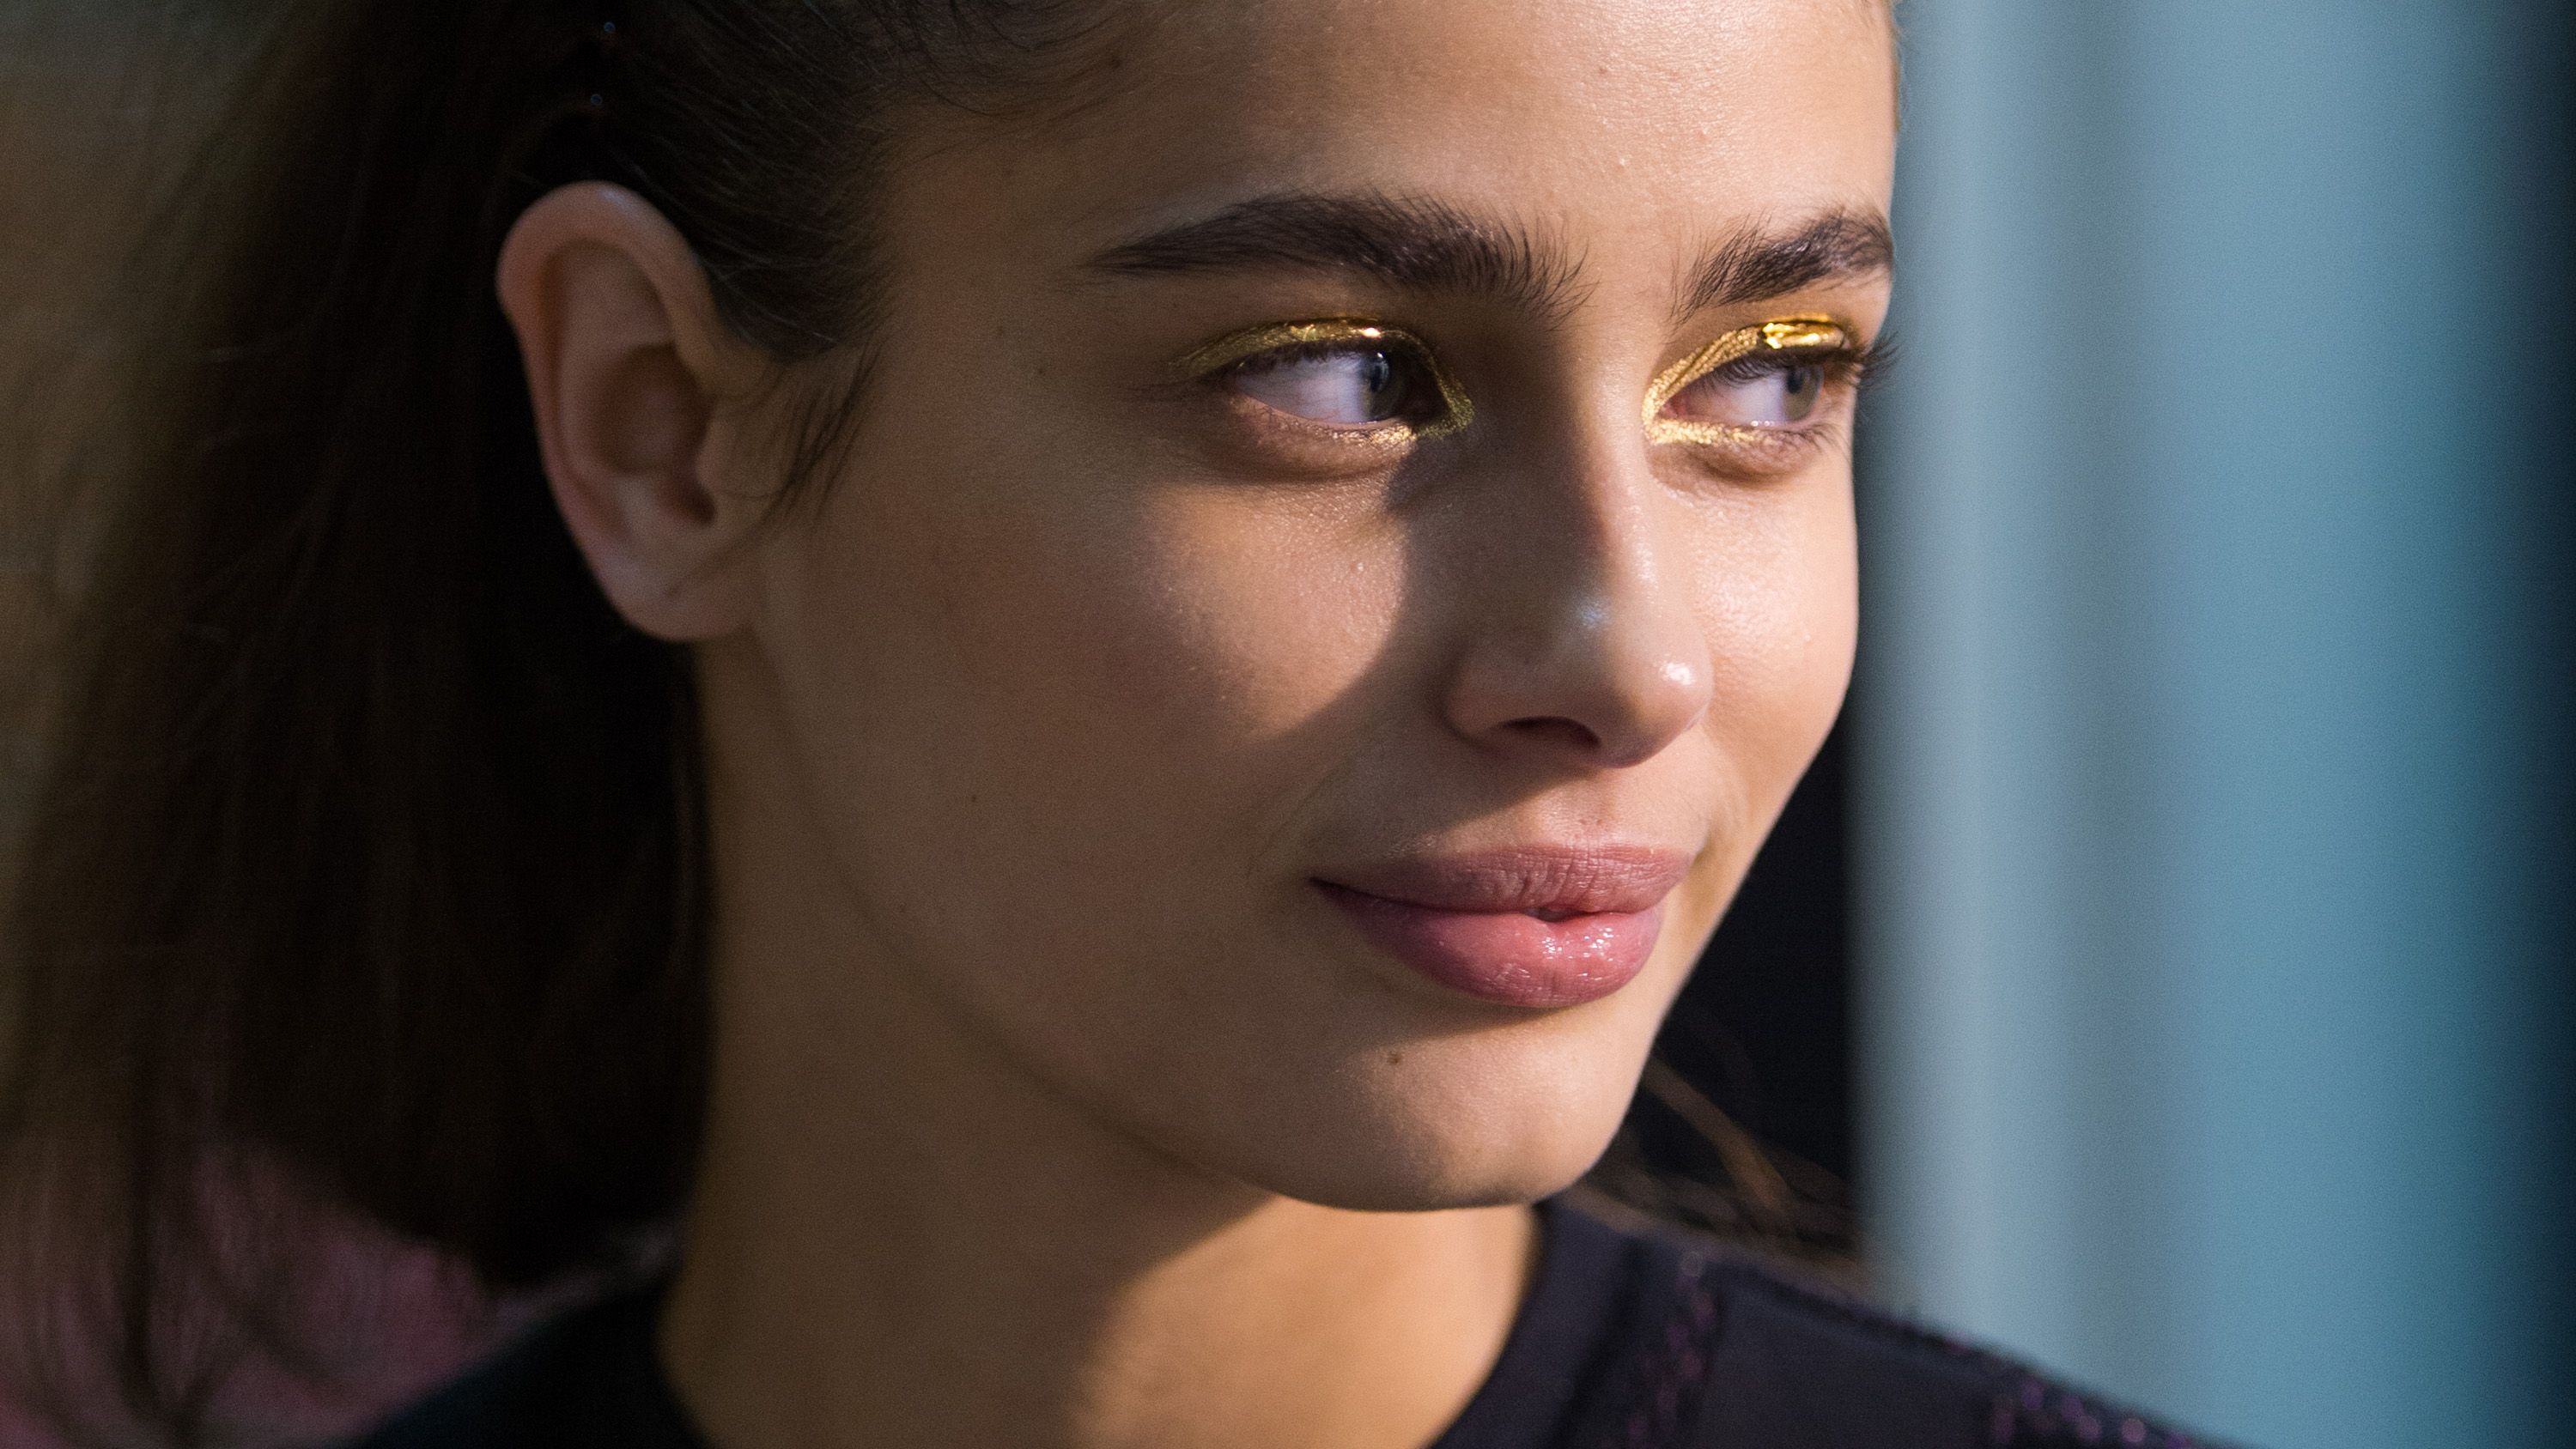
x=1556, y=730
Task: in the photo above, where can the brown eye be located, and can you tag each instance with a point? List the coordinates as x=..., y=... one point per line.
x=1343, y=385
x=1352, y=377
x=1760, y=392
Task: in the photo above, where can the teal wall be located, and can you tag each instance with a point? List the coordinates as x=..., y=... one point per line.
x=2216, y=712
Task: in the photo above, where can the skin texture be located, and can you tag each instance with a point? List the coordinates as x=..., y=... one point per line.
x=1054, y=1104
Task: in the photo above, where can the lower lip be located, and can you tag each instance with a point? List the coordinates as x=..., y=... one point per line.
x=1509, y=957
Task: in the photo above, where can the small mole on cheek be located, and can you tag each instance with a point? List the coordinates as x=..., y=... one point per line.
x=1395, y=1059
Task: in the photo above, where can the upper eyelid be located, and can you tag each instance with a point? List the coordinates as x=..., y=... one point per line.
x=1755, y=364
x=1811, y=335
x=1252, y=342
x=1214, y=358
x=1815, y=337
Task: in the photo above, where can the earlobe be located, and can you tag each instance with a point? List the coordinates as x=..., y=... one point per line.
x=629, y=368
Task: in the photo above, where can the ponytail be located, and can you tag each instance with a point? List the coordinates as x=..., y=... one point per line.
x=371, y=852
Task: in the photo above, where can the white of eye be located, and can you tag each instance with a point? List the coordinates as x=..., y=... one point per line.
x=1773, y=398
x=1347, y=387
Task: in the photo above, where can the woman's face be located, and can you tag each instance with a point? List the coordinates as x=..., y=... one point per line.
x=1300, y=655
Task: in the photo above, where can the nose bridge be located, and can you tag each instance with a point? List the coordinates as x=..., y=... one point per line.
x=1585, y=636
x=1596, y=564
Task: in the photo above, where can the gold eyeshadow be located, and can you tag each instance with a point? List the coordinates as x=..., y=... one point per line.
x=1820, y=335
x=1252, y=342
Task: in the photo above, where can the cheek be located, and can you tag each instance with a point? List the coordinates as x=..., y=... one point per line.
x=1175, y=665
x=1041, y=697
x=1778, y=601
x=1220, y=637
x=1059, y=753
x=1782, y=617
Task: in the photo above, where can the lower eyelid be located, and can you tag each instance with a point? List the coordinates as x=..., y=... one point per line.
x=1287, y=429
x=1213, y=362
x=1767, y=449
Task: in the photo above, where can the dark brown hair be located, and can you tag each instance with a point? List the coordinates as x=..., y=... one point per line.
x=369, y=851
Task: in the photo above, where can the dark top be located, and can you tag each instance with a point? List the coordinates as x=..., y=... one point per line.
x=1632, y=1338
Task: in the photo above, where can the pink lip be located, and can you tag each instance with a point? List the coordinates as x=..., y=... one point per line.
x=1539, y=927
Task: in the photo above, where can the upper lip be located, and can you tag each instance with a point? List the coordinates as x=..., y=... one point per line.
x=1558, y=880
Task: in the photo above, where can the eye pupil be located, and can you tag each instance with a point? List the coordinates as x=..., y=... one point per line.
x=1378, y=376
x=1343, y=385
x=1763, y=396
x=1803, y=384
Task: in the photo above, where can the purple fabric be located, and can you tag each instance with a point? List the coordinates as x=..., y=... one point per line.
x=394, y=1319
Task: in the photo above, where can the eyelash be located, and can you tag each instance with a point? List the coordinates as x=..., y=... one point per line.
x=1769, y=349
x=1841, y=365
x=1278, y=343
x=1846, y=367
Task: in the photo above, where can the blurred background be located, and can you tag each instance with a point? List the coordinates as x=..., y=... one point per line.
x=2173, y=949
x=2166, y=971
x=2214, y=859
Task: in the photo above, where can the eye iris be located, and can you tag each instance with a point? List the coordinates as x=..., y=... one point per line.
x=1345, y=386
x=1378, y=376
x=1800, y=387
x=1773, y=397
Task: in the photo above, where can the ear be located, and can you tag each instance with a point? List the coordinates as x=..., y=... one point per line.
x=636, y=381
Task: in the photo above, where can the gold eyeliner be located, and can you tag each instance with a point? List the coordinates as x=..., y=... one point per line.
x=1789, y=334
x=1252, y=342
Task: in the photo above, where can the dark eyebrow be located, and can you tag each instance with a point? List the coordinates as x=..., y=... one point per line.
x=1760, y=263
x=1406, y=241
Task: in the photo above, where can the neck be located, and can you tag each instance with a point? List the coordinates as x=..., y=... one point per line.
x=901, y=1236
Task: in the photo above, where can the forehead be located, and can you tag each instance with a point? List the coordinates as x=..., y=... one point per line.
x=1633, y=125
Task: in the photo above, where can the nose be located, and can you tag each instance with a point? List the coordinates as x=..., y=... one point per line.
x=1585, y=646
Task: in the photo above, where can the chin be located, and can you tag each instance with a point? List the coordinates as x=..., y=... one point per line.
x=1450, y=1124
x=1456, y=1176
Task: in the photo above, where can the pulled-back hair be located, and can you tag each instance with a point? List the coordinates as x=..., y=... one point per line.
x=369, y=851
x=367, y=877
